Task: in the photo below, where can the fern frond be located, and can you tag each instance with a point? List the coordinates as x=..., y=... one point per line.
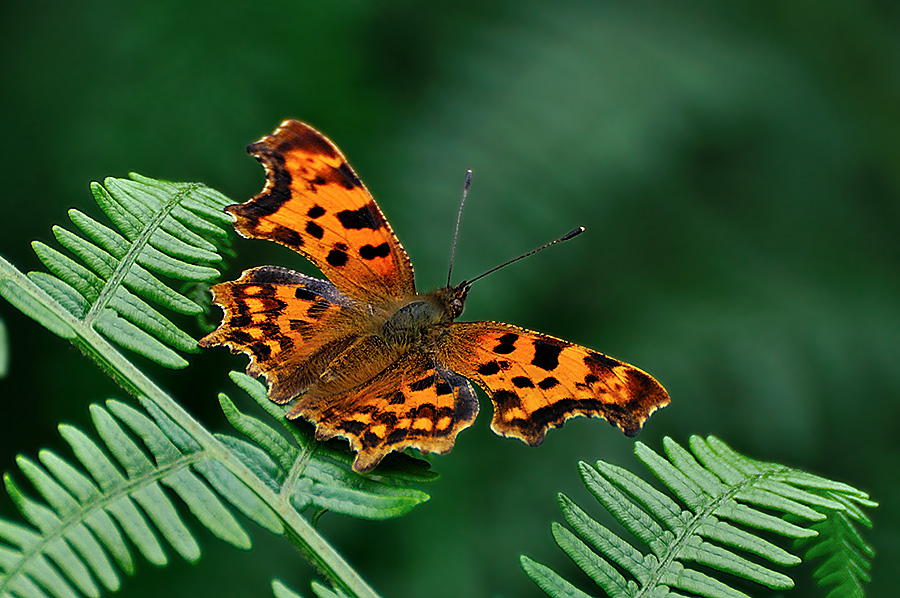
x=315, y=475
x=112, y=283
x=725, y=501
x=63, y=303
x=4, y=350
x=74, y=538
x=845, y=555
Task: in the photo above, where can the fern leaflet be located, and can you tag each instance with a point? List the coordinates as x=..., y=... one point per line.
x=4, y=350
x=280, y=590
x=173, y=230
x=726, y=500
x=316, y=475
x=845, y=554
x=75, y=537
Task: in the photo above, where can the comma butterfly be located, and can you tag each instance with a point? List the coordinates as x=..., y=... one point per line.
x=363, y=355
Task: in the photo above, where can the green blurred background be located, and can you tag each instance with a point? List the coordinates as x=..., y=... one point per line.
x=737, y=166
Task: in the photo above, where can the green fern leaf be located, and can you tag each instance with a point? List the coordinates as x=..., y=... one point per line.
x=724, y=501
x=280, y=590
x=75, y=532
x=85, y=513
x=316, y=475
x=110, y=280
x=845, y=555
x=4, y=350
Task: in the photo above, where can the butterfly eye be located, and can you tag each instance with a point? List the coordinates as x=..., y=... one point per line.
x=457, y=305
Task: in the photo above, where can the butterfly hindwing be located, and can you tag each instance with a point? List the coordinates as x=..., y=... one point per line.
x=315, y=204
x=537, y=382
x=413, y=403
x=288, y=323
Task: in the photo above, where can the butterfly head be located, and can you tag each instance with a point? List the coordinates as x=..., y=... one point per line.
x=452, y=300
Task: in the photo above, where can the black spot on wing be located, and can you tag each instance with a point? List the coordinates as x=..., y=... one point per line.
x=546, y=355
x=369, y=252
x=398, y=398
x=315, y=230
x=305, y=294
x=358, y=219
x=316, y=211
x=442, y=388
x=506, y=343
x=488, y=369
x=522, y=382
x=548, y=383
x=336, y=258
x=422, y=384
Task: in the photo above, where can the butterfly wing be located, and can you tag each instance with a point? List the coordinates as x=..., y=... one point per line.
x=291, y=326
x=413, y=403
x=315, y=204
x=537, y=382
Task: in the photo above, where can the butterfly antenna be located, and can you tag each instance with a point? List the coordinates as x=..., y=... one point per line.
x=458, y=218
x=572, y=233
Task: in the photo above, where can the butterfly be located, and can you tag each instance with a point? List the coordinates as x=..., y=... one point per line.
x=365, y=356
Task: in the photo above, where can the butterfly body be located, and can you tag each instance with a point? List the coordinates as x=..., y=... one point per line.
x=363, y=355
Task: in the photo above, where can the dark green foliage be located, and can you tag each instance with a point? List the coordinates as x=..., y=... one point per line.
x=727, y=504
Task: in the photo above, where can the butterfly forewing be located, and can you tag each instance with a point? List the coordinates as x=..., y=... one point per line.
x=315, y=204
x=537, y=382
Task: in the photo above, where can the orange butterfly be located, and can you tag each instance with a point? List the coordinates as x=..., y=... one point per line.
x=368, y=358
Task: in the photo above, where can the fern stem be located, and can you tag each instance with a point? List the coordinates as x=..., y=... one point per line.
x=22, y=292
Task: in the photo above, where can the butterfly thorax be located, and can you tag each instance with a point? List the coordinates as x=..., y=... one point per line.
x=412, y=321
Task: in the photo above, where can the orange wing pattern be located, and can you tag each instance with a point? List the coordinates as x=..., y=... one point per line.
x=364, y=357
x=415, y=402
x=291, y=326
x=315, y=204
x=537, y=382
